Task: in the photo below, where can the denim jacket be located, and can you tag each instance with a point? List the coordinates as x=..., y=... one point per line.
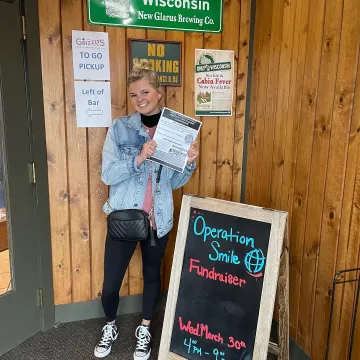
x=128, y=182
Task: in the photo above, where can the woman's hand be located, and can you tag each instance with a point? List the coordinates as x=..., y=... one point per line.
x=147, y=150
x=193, y=152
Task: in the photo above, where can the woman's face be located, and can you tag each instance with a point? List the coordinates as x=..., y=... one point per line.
x=144, y=97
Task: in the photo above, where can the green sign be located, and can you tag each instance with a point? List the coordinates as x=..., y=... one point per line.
x=180, y=15
x=165, y=57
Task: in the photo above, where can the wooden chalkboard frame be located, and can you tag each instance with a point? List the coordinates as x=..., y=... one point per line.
x=277, y=219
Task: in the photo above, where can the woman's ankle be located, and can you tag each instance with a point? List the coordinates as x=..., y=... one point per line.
x=145, y=322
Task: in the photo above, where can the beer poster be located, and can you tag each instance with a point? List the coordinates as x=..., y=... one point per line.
x=214, y=82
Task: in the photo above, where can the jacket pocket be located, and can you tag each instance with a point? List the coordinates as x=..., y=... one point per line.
x=129, y=150
x=117, y=198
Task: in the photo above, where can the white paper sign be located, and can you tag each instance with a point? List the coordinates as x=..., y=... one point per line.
x=93, y=104
x=214, y=82
x=90, y=55
x=174, y=134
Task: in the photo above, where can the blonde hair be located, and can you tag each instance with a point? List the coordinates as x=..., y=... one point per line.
x=144, y=70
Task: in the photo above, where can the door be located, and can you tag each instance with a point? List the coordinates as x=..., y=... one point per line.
x=20, y=314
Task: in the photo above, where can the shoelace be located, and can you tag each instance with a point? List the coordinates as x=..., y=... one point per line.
x=143, y=335
x=108, y=335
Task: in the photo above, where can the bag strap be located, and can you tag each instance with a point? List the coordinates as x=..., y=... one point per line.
x=158, y=179
x=153, y=241
x=156, y=191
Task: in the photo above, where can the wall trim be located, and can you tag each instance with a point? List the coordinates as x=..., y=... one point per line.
x=248, y=100
x=93, y=309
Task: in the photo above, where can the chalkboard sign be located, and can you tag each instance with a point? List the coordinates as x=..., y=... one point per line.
x=223, y=281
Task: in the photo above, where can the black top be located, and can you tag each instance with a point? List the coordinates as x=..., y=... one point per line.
x=150, y=120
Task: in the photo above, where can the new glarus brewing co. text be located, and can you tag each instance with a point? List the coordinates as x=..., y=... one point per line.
x=180, y=4
x=183, y=15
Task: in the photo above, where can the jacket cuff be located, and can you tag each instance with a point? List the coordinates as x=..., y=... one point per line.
x=137, y=169
x=190, y=168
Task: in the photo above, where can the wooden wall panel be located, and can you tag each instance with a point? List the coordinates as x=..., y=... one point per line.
x=118, y=71
x=291, y=151
x=289, y=47
x=258, y=121
x=315, y=163
x=291, y=115
x=71, y=15
x=348, y=249
x=53, y=92
x=256, y=64
x=337, y=162
x=78, y=224
x=225, y=153
x=303, y=167
x=98, y=192
x=175, y=101
x=241, y=98
x=209, y=137
x=192, y=41
x=263, y=175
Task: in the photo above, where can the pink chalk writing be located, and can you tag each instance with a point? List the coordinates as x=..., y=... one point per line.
x=212, y=274
x=200, y=330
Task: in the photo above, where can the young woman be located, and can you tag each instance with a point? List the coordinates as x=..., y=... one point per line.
x=132, y=179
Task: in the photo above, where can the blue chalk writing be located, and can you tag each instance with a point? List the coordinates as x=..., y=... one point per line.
x=228, y=257
x=193, y=348
x=200, y=229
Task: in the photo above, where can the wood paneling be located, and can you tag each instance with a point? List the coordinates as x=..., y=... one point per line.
x=56, y=143
x=305, y=94
x=342, y=117
x=98, y=192
x=241, y=99
x=77, y=154
x=348, y=249
x=209, y=137
x=225, y=153
x=192, y=41
x=174, y=100
x=118, y=71
x=77, y=194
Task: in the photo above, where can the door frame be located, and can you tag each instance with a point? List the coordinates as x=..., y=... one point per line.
x=42, y=208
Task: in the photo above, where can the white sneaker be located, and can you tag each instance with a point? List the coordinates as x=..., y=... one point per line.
x=143, y=344
x=110, y=334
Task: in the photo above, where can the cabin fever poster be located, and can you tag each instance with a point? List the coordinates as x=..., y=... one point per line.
x=214, y=82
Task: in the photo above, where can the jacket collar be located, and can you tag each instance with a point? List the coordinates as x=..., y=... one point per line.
x=134, y=122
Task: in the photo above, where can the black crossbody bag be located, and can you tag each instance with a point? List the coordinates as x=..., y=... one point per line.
x=133, y=224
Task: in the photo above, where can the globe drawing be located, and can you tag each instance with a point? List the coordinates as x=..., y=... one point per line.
x=255, y=261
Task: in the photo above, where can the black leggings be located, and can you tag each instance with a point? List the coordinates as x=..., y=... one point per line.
x=117, y=257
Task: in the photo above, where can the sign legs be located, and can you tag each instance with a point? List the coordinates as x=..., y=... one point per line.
x=282, y=348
